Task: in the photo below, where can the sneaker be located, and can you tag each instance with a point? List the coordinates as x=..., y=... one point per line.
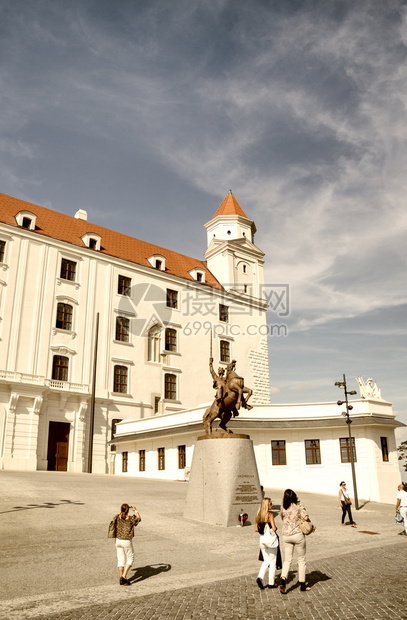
x=121, y=581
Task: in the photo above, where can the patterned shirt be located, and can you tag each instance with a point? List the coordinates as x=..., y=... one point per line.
x=125, y=527
x=290, y=519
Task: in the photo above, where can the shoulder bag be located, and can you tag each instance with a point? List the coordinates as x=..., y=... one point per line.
x=306, y=527
x=269, y=538
x=111, y=532
x=347, y=500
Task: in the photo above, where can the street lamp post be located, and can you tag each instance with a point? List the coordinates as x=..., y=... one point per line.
x=342, y=385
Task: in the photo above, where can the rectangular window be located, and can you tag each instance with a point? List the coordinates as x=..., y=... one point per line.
x=224, y=351
x=385, y=449
x=172, y=298
x=68, y=270
x=125, y=461
x=344, y=445
x=181, y=457
x=278, y=455
x=64, y=317
x=170, y=387
x=122, y=329
x=312, y=452
x=124, y=286
x=113, y=432
x=142, y=460
x=223, y=313
x=170, y=339
x=156, y=403
x=2, y=250
x=161, y=459
x=60, y=365
x=120, y=379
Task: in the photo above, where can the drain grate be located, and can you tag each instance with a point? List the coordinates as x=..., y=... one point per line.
x=371, y=533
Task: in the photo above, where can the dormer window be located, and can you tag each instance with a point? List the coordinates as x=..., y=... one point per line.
x=157, y=261
x=198, y=274
x=26, y=219
x=92, y=241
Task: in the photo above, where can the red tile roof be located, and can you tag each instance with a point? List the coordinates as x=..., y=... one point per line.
x=230, y=206
x=70, y=229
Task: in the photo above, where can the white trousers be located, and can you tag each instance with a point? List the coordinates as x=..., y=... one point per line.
x=125, y=552
x=403, y=512
x=297, y=541
x=269, y=561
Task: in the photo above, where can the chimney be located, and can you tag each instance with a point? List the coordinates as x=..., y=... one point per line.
x=81, y=214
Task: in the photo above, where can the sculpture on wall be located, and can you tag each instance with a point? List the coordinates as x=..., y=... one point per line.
x=229, y=398
x=368, y=389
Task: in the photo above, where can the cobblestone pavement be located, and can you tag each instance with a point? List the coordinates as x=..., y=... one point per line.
x=367, y=584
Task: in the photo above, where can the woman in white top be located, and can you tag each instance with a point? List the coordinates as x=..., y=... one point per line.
x=345, y=503
x=265, y=519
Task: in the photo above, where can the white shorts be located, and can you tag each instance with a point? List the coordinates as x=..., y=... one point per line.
x=125, y=552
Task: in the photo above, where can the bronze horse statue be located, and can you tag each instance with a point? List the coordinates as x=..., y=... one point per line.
x=229, y=397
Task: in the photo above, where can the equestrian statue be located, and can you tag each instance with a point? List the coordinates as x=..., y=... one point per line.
x=229, y=398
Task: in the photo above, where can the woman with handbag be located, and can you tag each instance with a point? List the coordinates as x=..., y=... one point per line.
x=292, y=512
x=345, y=503
x=125, y=525
x=266, y=527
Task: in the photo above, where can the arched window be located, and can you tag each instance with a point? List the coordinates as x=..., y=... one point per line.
x=122, y=329
x=60, y=366
x=120, y=379
x=64, y=316
x=170, y=339
x=154, y=337
x=170, y=387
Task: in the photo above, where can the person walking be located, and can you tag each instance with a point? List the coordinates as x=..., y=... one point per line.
x=345, y=503
x=125, y=525
x=265, y=521
x=401, y=505
x=293, y=538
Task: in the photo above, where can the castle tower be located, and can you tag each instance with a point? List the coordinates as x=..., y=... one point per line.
x=231, y=254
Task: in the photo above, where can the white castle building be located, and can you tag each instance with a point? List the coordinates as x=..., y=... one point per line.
x=156, y=308
x=103, y=335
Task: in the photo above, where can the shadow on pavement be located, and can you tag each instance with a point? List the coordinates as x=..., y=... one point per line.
x=312, y=578
x=144, y=572
x=62, y=502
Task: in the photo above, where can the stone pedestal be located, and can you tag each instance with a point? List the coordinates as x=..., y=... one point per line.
x=224, y=481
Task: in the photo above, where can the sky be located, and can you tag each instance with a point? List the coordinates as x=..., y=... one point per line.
x=146, y=112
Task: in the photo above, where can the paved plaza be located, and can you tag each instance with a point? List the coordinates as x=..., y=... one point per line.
x=57, y=561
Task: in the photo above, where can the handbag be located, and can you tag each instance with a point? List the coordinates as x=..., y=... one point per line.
x=306, y=527
x=269, y=538
x=346, y=500
x=111, y=532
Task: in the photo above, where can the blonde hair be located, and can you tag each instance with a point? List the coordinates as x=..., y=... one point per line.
x=263, y=511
